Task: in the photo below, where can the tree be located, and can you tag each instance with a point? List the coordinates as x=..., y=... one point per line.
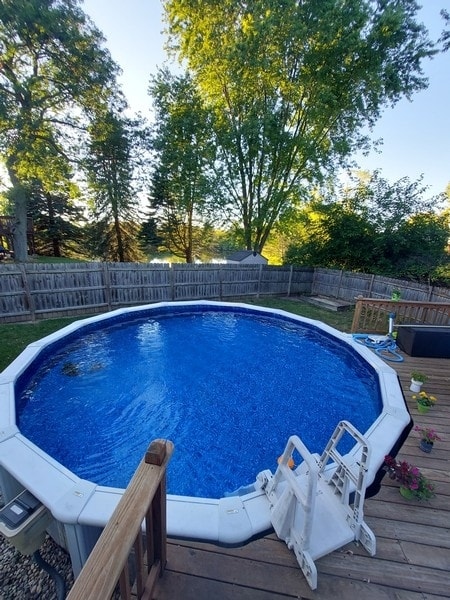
x=57, y=221
x=111, y=164
x=416, y=249
x=387, y=205
x=374, y=226
x=292, y=85
x=445, y=37
x=182, y=179
x=149, y=237
x=53, y=68
x=51, y=190
x=333, y=235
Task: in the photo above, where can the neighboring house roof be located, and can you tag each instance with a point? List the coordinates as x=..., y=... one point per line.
x=242, y=255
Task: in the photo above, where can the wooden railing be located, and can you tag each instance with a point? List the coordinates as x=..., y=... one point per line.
x=123, y=540
x=372, y=315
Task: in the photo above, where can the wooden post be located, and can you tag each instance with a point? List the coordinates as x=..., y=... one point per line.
x=290, y=280
x=372, y=279
x=172, y=281
x=259, y=281
x=220, y=282
x=313, y=285
x=26, y=289
x=357, y=314
x=107, y=285
x=156, y=455
x=339, y=284
x=144, y=499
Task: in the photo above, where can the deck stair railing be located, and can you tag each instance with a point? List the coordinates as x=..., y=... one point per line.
x=318, y=506
x=125, y=546
x=372, y=314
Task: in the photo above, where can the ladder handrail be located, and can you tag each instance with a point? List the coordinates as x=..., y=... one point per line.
x=285, y=472
x=342, y=465
x=323, y=487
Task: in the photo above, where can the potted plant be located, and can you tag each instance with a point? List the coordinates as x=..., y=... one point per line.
x=424, y=401
x=413, y=484
x=395, y=295
x=427, y=438
x=417, y=380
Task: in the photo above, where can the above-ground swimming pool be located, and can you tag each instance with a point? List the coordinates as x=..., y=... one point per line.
x=227, y=383
x=227, y=386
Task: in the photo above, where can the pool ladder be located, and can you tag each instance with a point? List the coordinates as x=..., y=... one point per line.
x=317, y=507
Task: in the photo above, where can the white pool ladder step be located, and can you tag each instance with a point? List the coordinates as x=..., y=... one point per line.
x=318, y=507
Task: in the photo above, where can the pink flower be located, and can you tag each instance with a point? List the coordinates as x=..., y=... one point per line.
x=409, y=477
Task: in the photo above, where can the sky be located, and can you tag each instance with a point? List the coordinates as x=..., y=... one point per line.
x=415, y=134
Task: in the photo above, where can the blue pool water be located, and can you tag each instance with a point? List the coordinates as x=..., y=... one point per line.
x=228, y=387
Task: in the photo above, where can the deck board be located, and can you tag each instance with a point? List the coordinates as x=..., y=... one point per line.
x=413, y=538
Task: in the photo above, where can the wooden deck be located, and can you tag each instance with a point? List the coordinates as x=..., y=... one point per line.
x=413, y=539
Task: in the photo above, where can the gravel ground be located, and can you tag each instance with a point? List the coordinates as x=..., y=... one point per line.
x=22, y=579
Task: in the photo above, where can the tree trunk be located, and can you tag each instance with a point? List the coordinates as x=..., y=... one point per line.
x=56, y=247
x=120, y=248
x=20, y=201
x=190, y=245
x=51, y=225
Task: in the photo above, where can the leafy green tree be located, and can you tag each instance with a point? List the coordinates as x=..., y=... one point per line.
x=374, y=226
x=111, y=164
x=225, y=242
x=335, y=236
x=182, y=179
x=292, y=85
x=53, y=70
x=388, y=205
x=416, y=249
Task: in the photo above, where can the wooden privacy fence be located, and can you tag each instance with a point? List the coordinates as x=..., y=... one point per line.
x=347, y=285
x=35, y=291
x=372, y=315
x=123, y=540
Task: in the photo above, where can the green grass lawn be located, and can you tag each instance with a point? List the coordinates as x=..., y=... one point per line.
x=341, y=320
x=57, y=259
x=16, y=336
